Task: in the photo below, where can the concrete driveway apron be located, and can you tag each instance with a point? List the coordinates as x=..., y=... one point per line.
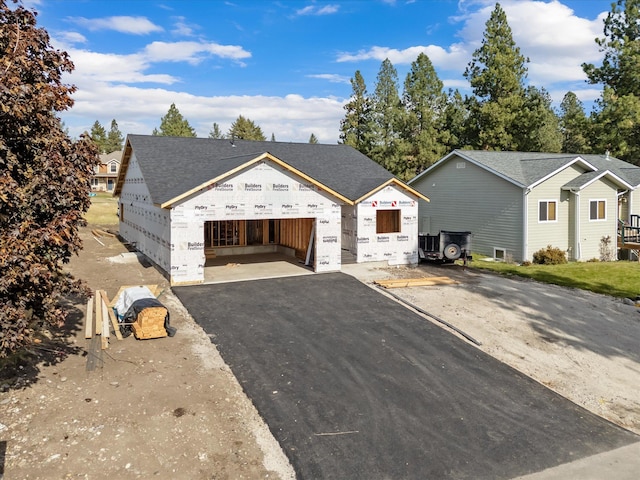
x=356, y=386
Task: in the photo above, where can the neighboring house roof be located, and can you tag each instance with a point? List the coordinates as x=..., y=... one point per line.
x=108, y=157
x=527, y=169
x=174, y=167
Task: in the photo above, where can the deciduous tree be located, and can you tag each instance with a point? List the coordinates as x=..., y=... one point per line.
x=45, y=180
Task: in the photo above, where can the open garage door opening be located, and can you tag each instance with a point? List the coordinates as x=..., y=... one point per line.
x=258, y=248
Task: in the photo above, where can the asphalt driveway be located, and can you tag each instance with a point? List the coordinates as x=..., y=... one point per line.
x=354, y=385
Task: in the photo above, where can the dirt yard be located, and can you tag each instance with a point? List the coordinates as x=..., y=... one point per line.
x=170, y=407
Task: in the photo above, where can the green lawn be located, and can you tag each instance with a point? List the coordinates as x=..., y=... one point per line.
x=620, y=279
x=103, y=210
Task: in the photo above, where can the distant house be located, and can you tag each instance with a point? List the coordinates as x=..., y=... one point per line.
x=517, y=203
x=183, y=200
x=105, y=175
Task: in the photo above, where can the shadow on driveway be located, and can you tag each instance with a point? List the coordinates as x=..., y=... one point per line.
x=354, y=385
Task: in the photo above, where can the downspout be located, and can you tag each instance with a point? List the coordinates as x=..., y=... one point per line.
x=525, y=224
x=578, y=244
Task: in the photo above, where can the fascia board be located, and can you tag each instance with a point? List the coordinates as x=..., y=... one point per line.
x=605, y=173
x=397, y=183
x=126, y=156
x=239, y=168
x=558, y=170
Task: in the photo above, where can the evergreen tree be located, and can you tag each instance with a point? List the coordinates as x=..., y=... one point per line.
x=621, y=47
x=616, y=122
x=616, y=126
x=537, y=125
x=45, y=180
x=455, y=122
x=313, y=139
x=245, y=129
x=173, y=124
x=99, y=136
x=387, y=110
x=216, y=132
x=115, y=140
x=422, y=129
x=496, y=74
x=356, y=129
x=273, y=137
x=574, y=125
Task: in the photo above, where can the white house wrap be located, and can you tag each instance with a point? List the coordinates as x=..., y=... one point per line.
x=185, y=199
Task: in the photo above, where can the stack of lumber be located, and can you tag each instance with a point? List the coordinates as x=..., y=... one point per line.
x=100, y=318
x=150, y=323
x=415, y=282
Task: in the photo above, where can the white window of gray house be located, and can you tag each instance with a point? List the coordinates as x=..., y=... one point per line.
x=597, y=210
x=548, y=211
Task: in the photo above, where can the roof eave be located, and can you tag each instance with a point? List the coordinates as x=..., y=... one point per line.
x=398, y=183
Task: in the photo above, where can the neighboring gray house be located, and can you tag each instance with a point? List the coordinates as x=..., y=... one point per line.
x=516, y=203
x=184, y=200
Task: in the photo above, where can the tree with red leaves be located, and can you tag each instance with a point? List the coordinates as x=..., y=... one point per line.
x=44, y=181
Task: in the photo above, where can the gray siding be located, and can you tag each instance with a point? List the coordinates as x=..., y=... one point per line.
x=593, y=231
x=558, y=234
x=476, y=200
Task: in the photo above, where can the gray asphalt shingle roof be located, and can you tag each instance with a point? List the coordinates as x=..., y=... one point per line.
x=527, y=168
x=172, y=166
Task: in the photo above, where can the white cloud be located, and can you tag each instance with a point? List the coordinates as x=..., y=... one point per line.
x=314, y=10
x=290, y=118
x=122, y=24
x=181, y=27
x=446, y=59
x=73, y=37
x=189, y=51
x=332, y=78
x=108, y=67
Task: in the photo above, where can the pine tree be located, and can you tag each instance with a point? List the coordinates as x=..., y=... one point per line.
x=273, y=137
x=245, y=129
x=621, y=47
x=537, y=125
x=313, y=139
x=99, y=136
x=387, y=110
x=496, y=74
x=173, y=124
x=574, y=125
x=356, y=128
x=216, y=132
x=44, y=183
x=616, y=122
x=455, y=121
x=422, y=129
x=115, y=139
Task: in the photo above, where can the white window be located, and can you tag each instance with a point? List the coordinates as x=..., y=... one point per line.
x=113, y=168
x=499, y=254
x=597, y=210
x=548, y=211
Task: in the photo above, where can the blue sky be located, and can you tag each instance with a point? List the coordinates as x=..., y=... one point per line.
x=287, y=65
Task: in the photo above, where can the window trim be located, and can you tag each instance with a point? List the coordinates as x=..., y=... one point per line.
x=555, y=202
x=597, y=201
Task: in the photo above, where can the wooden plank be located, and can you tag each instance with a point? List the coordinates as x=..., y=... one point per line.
x=111, y=314
x=415, y=282
x=98, y=324
x=105, y=325
x=88, y=325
